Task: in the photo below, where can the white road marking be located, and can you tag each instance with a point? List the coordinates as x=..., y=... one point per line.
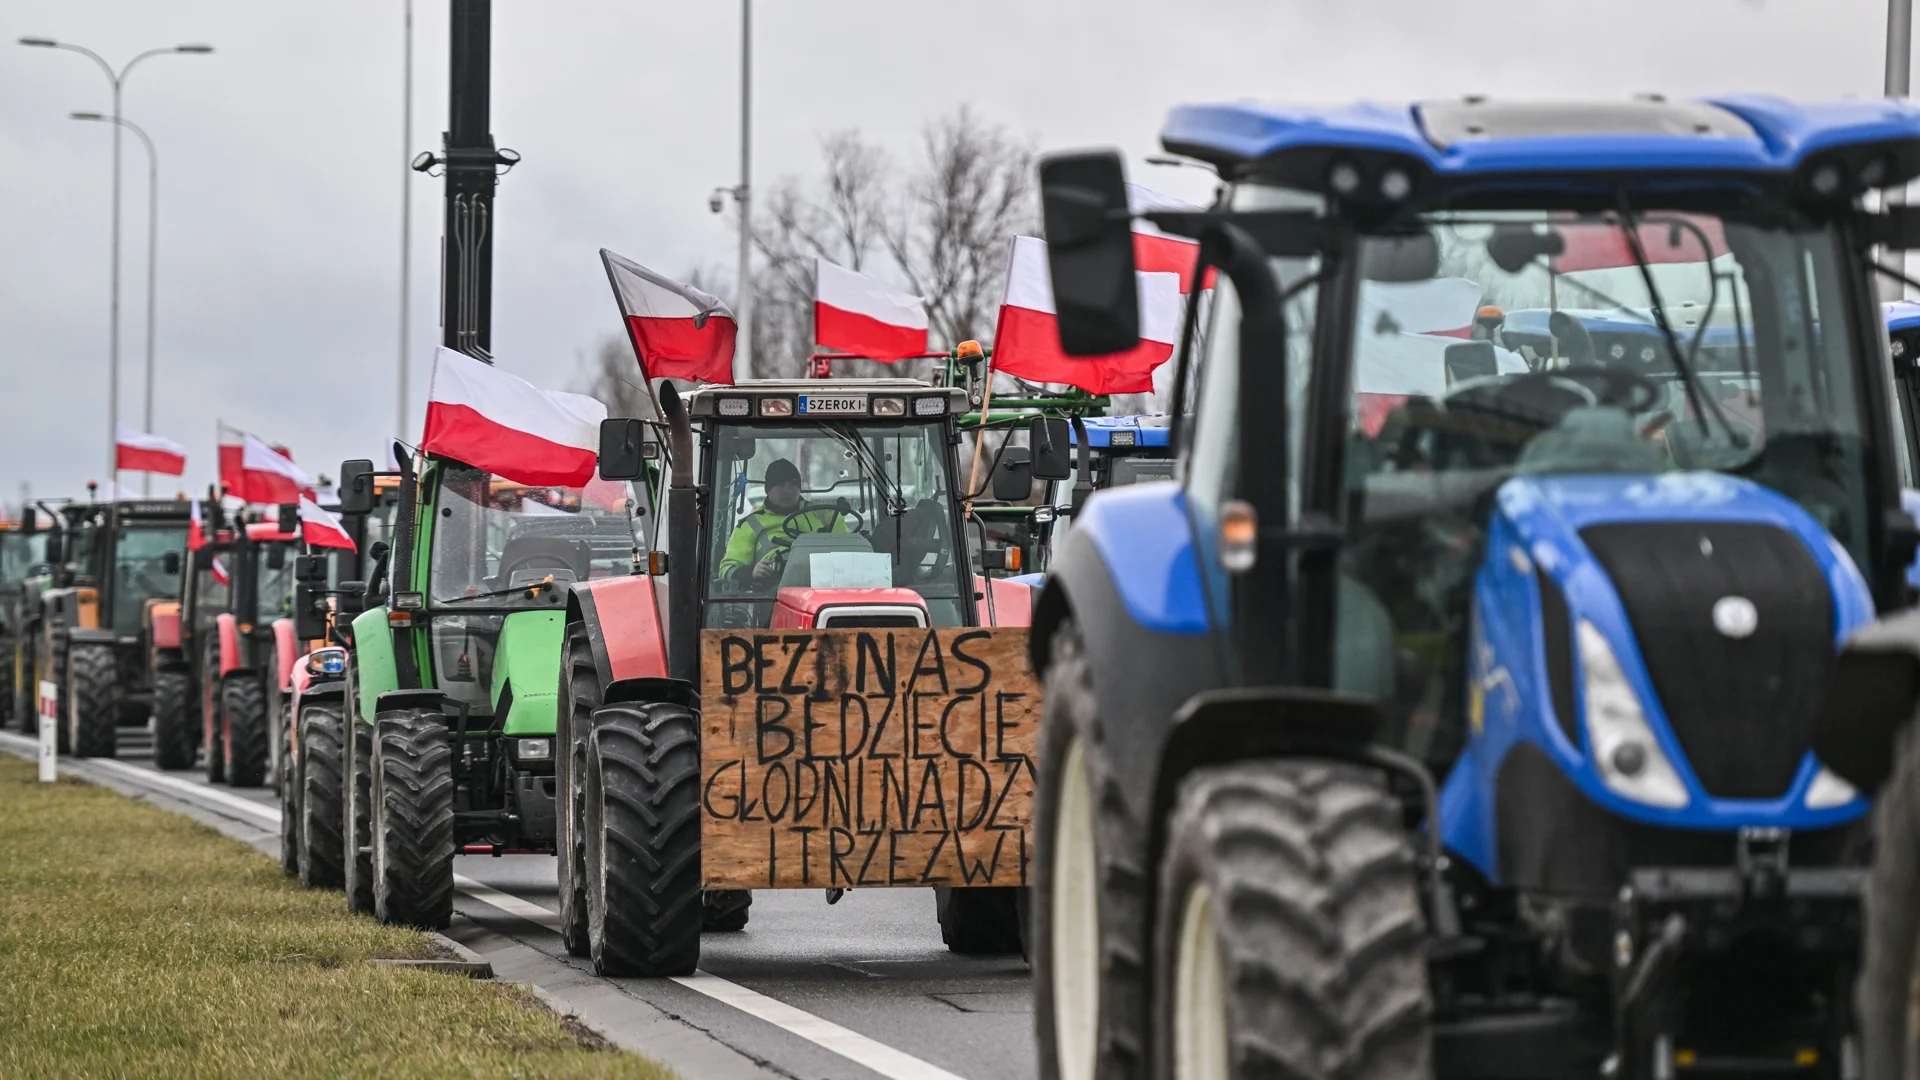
x=855, y=1047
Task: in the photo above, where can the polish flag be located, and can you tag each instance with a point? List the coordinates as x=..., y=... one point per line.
x=220, y=571
x=678, y=332
x=137, y=451
x=1592, y=246
x=321, y=527
x=196, y=530
x=1026, y=343
x=856, y=314
x=492, y=420
x=1155, y=251
x=270, y=475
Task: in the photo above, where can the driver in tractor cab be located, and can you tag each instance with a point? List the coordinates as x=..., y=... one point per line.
x=767, y=532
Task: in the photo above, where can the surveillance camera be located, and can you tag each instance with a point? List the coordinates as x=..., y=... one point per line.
x=717, y=201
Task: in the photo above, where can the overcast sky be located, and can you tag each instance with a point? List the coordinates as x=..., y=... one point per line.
x=281, y=158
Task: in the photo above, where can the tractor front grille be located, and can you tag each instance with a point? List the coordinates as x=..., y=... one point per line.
x=1741, y=707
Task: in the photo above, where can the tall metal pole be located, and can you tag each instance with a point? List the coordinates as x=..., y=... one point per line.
x=113, y=327
x=153, y=247
x=743, y=347
x=1899, y=82
x=466, y=303
x=406, y=217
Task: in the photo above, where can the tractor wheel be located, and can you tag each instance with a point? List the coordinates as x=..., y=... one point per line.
x=243, y=729
x=983, y=921
x=723, y=911
x=413, y=820
x=1089, y=935
x=56, y=647
x=642, y=828
x=580, y=694
x=357, y=820
x=173, y=729
x=286, y=780
x=213, y=741
x=9, y=704
x=1289, y=939
x=26, y=687
x=1890, y=972
x=90, y=706
x=321, y=776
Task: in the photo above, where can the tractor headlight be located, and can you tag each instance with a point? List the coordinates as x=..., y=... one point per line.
x=1828, y=791
x=533, y=749
x=1624, y=750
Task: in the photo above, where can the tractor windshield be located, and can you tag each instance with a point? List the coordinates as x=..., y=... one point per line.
x=1540, y=349
x=498, y=544
x=831, y=505
x=142, y=569
x=20, y=553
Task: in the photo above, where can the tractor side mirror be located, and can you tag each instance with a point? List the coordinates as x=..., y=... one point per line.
x=310, y=569
x=623, y=453
x=309, y=617
x=356, y=486
x=276, y=556
x=1470, y=360
x=170, y=563
x=1513, y=245
x=1050, y=439
x=289, y=517
x=1089, y=230
x=56, y=548
x=29, y=521
x=1411, y=257
x=1013, y=476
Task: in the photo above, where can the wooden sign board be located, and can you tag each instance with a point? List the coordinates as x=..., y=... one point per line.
x=866, y=758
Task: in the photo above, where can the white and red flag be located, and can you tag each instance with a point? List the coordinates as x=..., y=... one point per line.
x=321, y=527
x=196, y=529
x=1026, y=342
x=252, y=471
x=1155, y=251
x=219, y=568
x=493, y=420
x=678, y=331
x=138, y=451
x=854, y=313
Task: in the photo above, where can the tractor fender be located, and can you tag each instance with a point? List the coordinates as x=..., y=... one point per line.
x=227, y=630
x=1012, y=601
x=394, y=700
x=76, y=606
x=526, y=671
x=286, y=649
x=91, y=635
x=625, y=625
x=669, y=691
x=1873, y=691
x=375, y=672
x=164, y=618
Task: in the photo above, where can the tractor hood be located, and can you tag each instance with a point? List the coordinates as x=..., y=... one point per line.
x=1723, y=605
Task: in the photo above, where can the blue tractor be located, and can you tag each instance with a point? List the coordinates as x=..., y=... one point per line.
x=1479, y=741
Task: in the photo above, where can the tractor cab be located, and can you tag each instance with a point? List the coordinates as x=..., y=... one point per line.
x=830, y=504
x=1558, y=602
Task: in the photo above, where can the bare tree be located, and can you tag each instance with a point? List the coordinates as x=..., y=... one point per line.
x=972, y=193
x=612, y=377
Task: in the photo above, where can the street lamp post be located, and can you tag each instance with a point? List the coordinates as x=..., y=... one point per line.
x=743, y=196
x=118, y=80
x=153, y=246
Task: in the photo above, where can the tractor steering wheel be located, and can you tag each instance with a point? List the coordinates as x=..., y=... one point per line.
x=789, y=530
x=1597, y=385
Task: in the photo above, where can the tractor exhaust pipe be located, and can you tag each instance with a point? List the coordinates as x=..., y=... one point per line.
x=683, y=543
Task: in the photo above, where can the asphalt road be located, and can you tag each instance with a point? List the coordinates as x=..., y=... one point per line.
x=862, y=988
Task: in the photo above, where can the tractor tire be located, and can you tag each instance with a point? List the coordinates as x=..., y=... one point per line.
x=243, y=729
x=91, y=713
x=213, y=739
x=580, y=694
x=357, y=819
x=643, y=839
x=413, y=820
x=1088, y=927
x=174, y=733
x=983, y=921
x=724, y=911
x=286, y=781
x=321, y=775
x=1890, y=969
x=26, y=687
x=9, y=700
x=1289, y=939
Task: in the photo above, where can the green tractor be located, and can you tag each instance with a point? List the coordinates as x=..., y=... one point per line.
x=451, y=685
x=124, y=556
x=23, y=553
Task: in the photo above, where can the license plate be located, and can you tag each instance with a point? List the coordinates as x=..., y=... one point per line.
x=833, y=404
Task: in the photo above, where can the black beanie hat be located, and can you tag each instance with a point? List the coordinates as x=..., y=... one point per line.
x=782, y=471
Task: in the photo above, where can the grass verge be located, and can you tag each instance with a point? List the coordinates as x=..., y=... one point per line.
x=135, y=942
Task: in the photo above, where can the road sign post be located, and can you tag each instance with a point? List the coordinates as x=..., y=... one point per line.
x=49, y=716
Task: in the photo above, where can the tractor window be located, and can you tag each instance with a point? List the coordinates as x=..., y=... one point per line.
x=19, y=553
x=211, y=589
x=140, y=569
x=869, y=505
x=496, y=542
x=1559, y=367
x=273, y=588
